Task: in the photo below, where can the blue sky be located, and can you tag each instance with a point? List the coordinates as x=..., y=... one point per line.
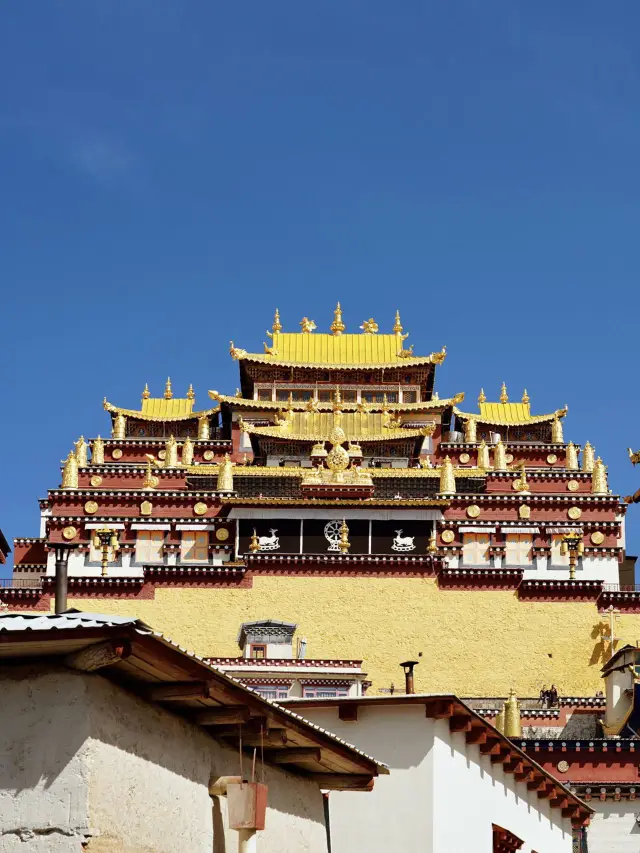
x=171, y=172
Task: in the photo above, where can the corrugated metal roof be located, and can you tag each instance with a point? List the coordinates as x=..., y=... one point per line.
x=60, y=621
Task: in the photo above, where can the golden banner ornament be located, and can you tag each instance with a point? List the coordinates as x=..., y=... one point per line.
x=116, y=453
x=524, y=511
x=573, y=485
x=473, y=511
x=222, y=534
x=96, y=480
x=447, y=536
x=200, y=508
x=574, y=513
x=91, y=507
x=69, y=533
x=597, y=537
x=146, y=507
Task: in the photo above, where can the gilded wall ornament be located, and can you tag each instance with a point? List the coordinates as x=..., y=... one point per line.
x=116, y=453
x=69, y=532
x=208, y=455
x=573, y=485
x=162, y=454
x=562, y=766
x=509, y=458
x=200, y=508
x=222, y=534
x=552, y=459
x=574, y=513
x=464, y=458
x=91, y=507
x=597, y=537
x=447, y=535
x=146, y=508
x=473, y=511
x=96, y=480
x=524, y=511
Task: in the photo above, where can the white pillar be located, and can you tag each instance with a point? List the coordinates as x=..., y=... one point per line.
x=247, y=841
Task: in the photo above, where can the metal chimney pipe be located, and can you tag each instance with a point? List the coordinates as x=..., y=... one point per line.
x=408, y=667
x=62, y=559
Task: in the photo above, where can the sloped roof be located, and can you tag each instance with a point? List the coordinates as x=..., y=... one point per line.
x=509, y=414
x=159, y=409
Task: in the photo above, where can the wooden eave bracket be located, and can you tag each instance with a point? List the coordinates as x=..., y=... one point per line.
x=99, y=655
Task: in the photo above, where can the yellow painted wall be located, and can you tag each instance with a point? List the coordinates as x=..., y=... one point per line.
x=472, y=643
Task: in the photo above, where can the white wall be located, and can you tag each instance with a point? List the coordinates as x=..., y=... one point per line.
x=81, y=757
x=442, y=796
x=613, y=827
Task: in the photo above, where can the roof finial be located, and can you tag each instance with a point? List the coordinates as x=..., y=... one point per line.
x=146, y=393
x=307, y=326
x=482, y=397
x=337, y=327
x=277, y=325
x=525, y=396
x=397, y=328
x=168, y=393
x=191, y=394
x=504, y=397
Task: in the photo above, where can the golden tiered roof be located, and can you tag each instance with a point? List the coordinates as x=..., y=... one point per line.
x=337, y=349
x=505, y=413
x=316, y=426
x=165, y=408
x=436, y=404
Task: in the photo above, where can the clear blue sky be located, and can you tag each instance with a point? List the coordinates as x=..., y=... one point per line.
x=172, y=171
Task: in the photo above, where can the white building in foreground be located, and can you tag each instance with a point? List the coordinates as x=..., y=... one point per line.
x=456, y=784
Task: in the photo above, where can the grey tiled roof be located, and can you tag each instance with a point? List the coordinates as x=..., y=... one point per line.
x=61, y=621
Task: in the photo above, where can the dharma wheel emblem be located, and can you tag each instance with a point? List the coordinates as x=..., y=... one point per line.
x=448, y=536
x=332, y=535
x=91, y=507
x=69, y=532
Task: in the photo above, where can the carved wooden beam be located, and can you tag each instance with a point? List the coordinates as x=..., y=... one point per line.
x=296, y=756
x=342, y=781
x=491, y=747
x=224, y=715
x=460, y=723
x=476, y=734
x=180, y=690
x=439, y=710
x=99, y=655
x=501, y=756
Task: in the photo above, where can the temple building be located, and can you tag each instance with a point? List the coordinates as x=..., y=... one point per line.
x=339, y=492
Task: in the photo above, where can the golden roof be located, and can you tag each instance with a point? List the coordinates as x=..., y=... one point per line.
x=316, y=426
x=435, y=404
x=505, y=413
x=166, y=408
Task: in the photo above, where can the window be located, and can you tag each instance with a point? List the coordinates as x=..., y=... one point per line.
x=475, y=549
x=271, y=691
x=149, y=546
x=349, y=396
x=195, y=546
x=324, y=692
x=408, y=396
x=264, y=393
x=297, y=396
x=557, y=557
x=518, y=551
x=258, y=651
x=378, y=396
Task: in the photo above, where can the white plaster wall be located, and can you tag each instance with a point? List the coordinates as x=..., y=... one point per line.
x=398, y=813
x=43, y=762
x=613, y=827
x=592, y=569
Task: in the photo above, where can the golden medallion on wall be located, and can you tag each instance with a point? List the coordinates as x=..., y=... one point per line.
x=200, y=508
x=508, y=458
x=574, y=513
x=162, y=454
x=146, y=507
x=96, y=480
x=208, y=455
x=524, y=511
x=116, y=453
x=562, y=766
x=573, y=485
x=91, y=507
x=222, y=534
x=447, y=535
x=464, y=458
x=473, y=511
x=552, y=459
x=597, y=537
x=69, y=532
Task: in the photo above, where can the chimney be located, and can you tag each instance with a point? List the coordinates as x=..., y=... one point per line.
x=408, y=667
x=62, y=558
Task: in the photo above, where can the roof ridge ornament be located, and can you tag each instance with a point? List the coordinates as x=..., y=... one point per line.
x=337, y=327
x=482, y=397
x=168, y=393
x=277, y=325
x=146, y=393
x=191, y=394
x=307, y=326
x=369, y=327
x=525, y=397
x=504, y=397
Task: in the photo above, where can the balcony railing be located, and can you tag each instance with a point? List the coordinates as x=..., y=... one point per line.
x=616, y=587
x=21, y=583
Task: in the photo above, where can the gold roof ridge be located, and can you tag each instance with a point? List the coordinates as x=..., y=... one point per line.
x=161, y=409
x=300, y=405
x=509, y=414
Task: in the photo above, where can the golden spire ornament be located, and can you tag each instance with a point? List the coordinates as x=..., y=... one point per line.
x=572, y=457
x=482, y=397
x=500, y=457
x=432, y=545
x=599, y=478
x=470, y=431
x=588, y=457
x=447, y=477
x=277, y=325
x=119, y=426
x=344, y=543
x=187, y=452
x=225, y=475
x=483, y=456
x=525, y=397
x=512, y=721
x=146, y=393
x=204, y=430
x=556, y=431
x=81, y=452
x=171, y=450
x=191, y=394
x=397, y=326
x=168, y=393
x=504, y=397
x=97, y=451
x=254, y=545
x=337, y=327
x=70, y=472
